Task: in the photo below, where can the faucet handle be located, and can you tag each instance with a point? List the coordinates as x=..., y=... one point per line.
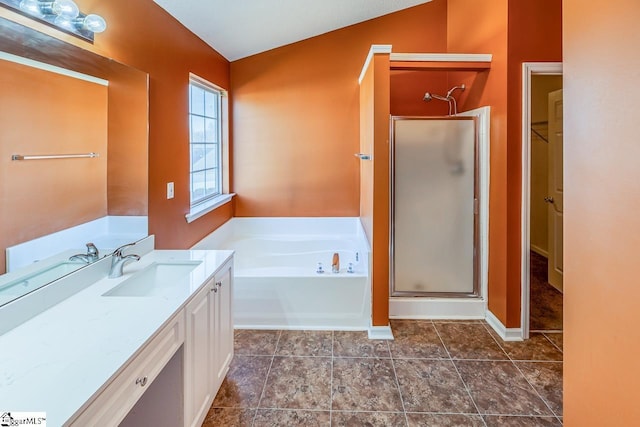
x=92, y=249
x=118, y=251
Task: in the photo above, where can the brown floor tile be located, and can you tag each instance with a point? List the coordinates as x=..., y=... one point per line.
x=458, y=321
x=255, y=342
x=365, y=385
x=506, y=421
x=546, y=378
x=432, y=386
x=545, y=301
x=369, y=419
x=229, y=417
x=298, y=383
x=244, y=382
x=556, y=338
x=305, y=343
x=358, y=344
x=469, y=341
x=442, y=420
x=280, y=418
x=497, y=387
x=416, y=339
x=537, y=347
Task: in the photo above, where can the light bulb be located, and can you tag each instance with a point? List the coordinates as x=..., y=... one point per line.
x=64, y=22
x=32, y=7
x=94, y=23
x=66, y=8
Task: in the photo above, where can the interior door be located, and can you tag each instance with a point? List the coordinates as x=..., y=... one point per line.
x=554, y=198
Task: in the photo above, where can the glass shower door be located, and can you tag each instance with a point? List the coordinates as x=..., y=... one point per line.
x=434, y=204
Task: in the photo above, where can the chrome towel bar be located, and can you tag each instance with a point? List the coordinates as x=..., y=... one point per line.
x=54, y=156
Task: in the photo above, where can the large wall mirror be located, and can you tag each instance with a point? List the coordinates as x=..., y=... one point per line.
x=45, y=112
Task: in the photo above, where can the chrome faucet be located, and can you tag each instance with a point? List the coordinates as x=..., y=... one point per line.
x=92, y=254
x=118, y=260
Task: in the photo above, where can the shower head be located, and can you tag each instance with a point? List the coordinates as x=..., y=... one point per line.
x=429, y=96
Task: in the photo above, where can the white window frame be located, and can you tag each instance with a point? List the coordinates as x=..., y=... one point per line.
x=206, y=205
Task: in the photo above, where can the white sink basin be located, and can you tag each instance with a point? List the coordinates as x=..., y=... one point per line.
x=34, y=280
x=155, y=279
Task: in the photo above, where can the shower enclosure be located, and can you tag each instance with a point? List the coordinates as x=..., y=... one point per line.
x=434, y=213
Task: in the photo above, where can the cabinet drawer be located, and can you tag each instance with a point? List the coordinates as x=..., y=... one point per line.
x=111, y=406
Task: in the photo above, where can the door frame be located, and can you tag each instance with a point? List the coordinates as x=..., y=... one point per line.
x=529, y=69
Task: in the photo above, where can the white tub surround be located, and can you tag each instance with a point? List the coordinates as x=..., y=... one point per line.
x=107, y=233
x=276, y=281
x=89, y=358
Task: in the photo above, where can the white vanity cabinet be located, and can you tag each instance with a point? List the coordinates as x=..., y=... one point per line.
x=208, y=344
x=111, y=406
x=175, y=374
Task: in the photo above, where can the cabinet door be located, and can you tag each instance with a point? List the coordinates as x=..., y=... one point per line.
x=198, y=356
x=224, y=322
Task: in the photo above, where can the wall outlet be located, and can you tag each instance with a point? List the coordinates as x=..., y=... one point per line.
x=169, y=190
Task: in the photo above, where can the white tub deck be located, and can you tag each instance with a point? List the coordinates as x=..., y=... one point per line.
x=276, y=283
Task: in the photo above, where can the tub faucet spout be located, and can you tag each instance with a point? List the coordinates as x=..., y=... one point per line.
x=335, y=264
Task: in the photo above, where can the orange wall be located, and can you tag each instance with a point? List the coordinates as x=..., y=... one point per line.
x=128, y=166
x=144, y=36
x=47, y=113
x=526, y=17
x=408, y=89
x=481, y=27
x=601, y=204
x=514, y=31
x=374, y=207
x=296, y=112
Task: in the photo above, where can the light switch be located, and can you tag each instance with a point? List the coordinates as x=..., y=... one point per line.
x=169, y=190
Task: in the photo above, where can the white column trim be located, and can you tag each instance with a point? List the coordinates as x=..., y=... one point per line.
x=442, y=57
x=380, y=333
x=375, y=48
x=507, y=334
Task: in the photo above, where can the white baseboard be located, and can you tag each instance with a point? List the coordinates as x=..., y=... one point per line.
x=507, y=334
x=284, y=327
x=539, y=250
x=437, y=308
x=380, y=333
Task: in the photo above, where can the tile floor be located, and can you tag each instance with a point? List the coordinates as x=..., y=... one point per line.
x=545, y=300
x=433, y=374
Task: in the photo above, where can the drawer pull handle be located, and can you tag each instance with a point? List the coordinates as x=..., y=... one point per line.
x=219, y=284
x=141, y=381
x=215, y=290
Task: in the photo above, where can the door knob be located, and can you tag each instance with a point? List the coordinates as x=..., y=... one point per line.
x=548, y=199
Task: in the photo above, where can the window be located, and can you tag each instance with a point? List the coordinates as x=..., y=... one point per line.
x=205, y=141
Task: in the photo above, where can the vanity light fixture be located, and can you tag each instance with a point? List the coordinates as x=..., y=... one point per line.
x=61, y=14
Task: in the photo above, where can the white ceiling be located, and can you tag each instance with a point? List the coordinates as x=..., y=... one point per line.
x=240, y=28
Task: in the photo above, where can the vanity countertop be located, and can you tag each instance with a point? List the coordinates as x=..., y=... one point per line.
x=56, y=361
